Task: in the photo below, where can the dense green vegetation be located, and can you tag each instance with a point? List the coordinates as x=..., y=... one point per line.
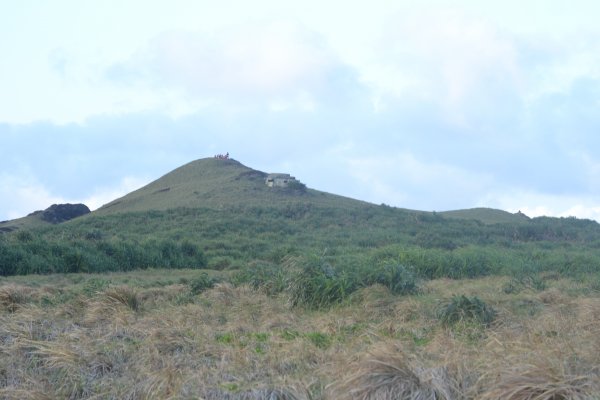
x=198, y=238
x=238, y=224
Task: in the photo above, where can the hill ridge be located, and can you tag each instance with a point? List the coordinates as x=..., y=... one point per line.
x=216, y=184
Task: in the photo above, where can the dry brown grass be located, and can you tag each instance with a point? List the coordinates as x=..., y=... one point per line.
x=383, y=374
x=115, y=305
x=13, y=296
x=23, y=394
x=543, y=381
x=236, y=343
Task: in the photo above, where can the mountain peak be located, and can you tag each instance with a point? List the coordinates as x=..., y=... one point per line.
x=205, y=183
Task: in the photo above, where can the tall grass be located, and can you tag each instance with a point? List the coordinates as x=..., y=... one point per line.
x=317, y=284
x=137, y=341
x=267, y=232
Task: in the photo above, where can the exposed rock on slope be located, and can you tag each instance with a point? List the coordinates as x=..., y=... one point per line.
x=58, y=213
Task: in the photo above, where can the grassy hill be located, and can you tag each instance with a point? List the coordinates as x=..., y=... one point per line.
x=216, y=184
x=487, y=215
x=220, y=214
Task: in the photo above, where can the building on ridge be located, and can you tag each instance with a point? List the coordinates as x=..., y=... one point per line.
x=279, y=180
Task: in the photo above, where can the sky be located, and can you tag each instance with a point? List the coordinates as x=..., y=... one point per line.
x=428, y=105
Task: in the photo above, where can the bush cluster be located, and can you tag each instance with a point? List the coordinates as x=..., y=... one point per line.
x=356, y=237
x=318, y=284
x=267, y=277
x=201, y=283
x=463, y=309
x=26, y=253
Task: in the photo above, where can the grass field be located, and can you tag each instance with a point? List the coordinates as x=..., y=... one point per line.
x=296, y=294
x=157, y=334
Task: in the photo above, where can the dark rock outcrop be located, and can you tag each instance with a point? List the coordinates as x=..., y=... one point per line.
x=58, y=213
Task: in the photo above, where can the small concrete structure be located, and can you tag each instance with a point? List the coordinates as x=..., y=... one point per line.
x=279, y=180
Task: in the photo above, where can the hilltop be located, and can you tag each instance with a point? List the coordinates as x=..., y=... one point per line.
x=215, y=184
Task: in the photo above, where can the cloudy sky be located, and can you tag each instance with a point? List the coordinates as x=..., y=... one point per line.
x=430, y=105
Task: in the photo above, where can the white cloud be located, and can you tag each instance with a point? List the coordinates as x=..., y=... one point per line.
x=592, y=172
x=406, y=181
x=280, y=65
x=20, y=196
x=104, y=195
x=535, y=204
x=481, y=77
x=443, y=56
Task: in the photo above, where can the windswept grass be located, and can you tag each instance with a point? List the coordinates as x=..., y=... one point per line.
x=137, y=340
x=385, y=374
x=12, y=297
x=544, y=380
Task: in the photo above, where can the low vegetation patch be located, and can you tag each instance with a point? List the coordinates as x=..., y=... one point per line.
x=387, y=373
x=463, y=309
x=544, y=382
x=318, y=284
x=523, y=282
x=126, y=335
x=12, y=297
x=201, y=283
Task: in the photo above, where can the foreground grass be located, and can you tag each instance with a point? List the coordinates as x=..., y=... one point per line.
x=148, y=335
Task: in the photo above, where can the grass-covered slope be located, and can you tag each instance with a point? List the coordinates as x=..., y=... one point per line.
x=487, y=215
x=220, y=214
x=55, y=214
x=31, y=221
x=217, y=184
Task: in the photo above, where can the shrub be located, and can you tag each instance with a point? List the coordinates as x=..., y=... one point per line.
x=220, y=263
x=397, y=278
x=12, y=296
x=527, y=281
x=201, y=283
x=75, y=262
x=192, y=255
x=124, y=295
x=10, y=258
x=296, y=187
x=319, y=285
x=466, y=309
x=95, y=285
x=267, y=277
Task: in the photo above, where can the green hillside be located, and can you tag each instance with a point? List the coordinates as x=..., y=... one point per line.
x=28, y=222
x=55, y=214
x=220, y=214
x=487, y=215
x=216, y=184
